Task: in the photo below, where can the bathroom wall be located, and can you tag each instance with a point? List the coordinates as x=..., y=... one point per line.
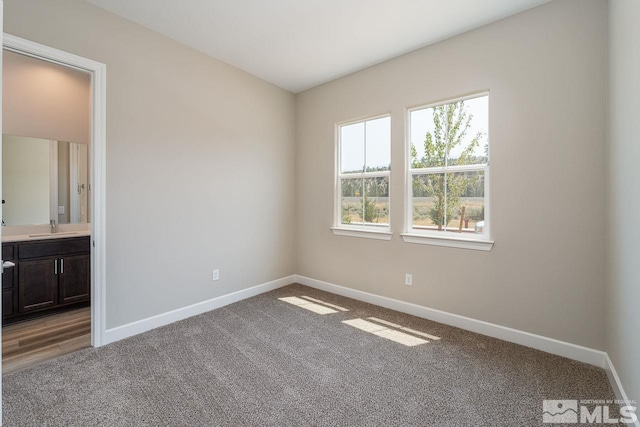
x=44, y=100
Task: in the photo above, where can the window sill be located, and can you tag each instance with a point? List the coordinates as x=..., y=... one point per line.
x=448, y=241
x=362, y=233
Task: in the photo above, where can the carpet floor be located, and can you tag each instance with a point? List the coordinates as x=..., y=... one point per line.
x=296, y=357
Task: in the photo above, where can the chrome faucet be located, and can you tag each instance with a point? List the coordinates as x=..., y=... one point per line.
x=54, y=228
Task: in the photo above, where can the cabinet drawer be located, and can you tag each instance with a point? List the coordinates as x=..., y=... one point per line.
x=53, y=248
x=8, y=252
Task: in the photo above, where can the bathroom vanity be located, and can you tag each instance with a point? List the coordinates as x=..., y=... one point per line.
x=51, y=273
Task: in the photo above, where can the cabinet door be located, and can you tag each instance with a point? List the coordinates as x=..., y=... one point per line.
x=9, y=275
x=74, y=278
x=7, y=304
x=9, y=279
x=37, y=285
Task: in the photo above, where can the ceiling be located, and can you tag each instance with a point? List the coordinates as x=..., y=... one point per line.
x=299, y=44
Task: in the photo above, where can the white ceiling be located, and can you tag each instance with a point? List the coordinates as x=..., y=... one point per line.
x=299, y=44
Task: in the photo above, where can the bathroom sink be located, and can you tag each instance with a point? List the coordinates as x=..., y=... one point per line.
x=62, y=233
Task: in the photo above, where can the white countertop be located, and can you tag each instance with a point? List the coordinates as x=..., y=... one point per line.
x=29, y=233
x=41, y=236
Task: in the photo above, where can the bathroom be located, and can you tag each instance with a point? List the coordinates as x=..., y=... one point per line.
x=46, y=210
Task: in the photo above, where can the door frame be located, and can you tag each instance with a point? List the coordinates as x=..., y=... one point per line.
x=97, y=166
x=1, y=261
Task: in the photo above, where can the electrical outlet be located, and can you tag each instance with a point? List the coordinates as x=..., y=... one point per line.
x=408, y=279
x=216, y=275
x=60, y=209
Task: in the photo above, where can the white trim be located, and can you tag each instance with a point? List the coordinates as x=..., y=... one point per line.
x=477, y=167
x=616, y=385
x=364, y=119
x=39, y=51
x=98, y=169
x=449, y=241
x=1, y=65
x=125, y=331
x=472, y=95
x=98, y=183
x=549, y=345
x=364, y=175
x=365, y=233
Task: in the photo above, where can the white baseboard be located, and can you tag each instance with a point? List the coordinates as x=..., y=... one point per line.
x=549, y=345
x=144, y=325
x=616, y=385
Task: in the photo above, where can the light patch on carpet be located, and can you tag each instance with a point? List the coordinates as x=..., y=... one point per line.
x=363, y=325
x=400, y=337
x=337, y=307
x=413, y=331
x=307, y=305
x=385, y=322
x=422, y=334
x=294, y=300
x=384, y=332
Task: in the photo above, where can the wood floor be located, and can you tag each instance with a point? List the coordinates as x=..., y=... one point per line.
x=28, y=343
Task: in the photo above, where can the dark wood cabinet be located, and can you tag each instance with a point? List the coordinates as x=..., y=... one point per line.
x=9, y=282
x=7, y=304
x=37, y=284
x=49, y=275
x=74, y=278
x=8, y=275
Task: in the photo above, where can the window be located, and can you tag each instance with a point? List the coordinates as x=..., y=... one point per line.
x=362, y=181
x=448, y=174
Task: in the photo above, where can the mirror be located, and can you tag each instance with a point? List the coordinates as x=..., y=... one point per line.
x=43, y=180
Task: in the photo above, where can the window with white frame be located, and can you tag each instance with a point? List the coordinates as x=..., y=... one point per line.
x=363, y=171
x=448, y=170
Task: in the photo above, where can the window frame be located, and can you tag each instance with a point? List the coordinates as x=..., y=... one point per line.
x=442, y=238
x=379, y=232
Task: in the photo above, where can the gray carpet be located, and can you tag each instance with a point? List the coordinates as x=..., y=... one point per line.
x=266, y=362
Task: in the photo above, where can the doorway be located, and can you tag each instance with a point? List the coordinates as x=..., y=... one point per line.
x=91, y=192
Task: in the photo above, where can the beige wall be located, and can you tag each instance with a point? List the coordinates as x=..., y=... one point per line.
x=25, y=180
x=623, y=181
x=44, y=100
x=200, y=162
x=546, y=71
